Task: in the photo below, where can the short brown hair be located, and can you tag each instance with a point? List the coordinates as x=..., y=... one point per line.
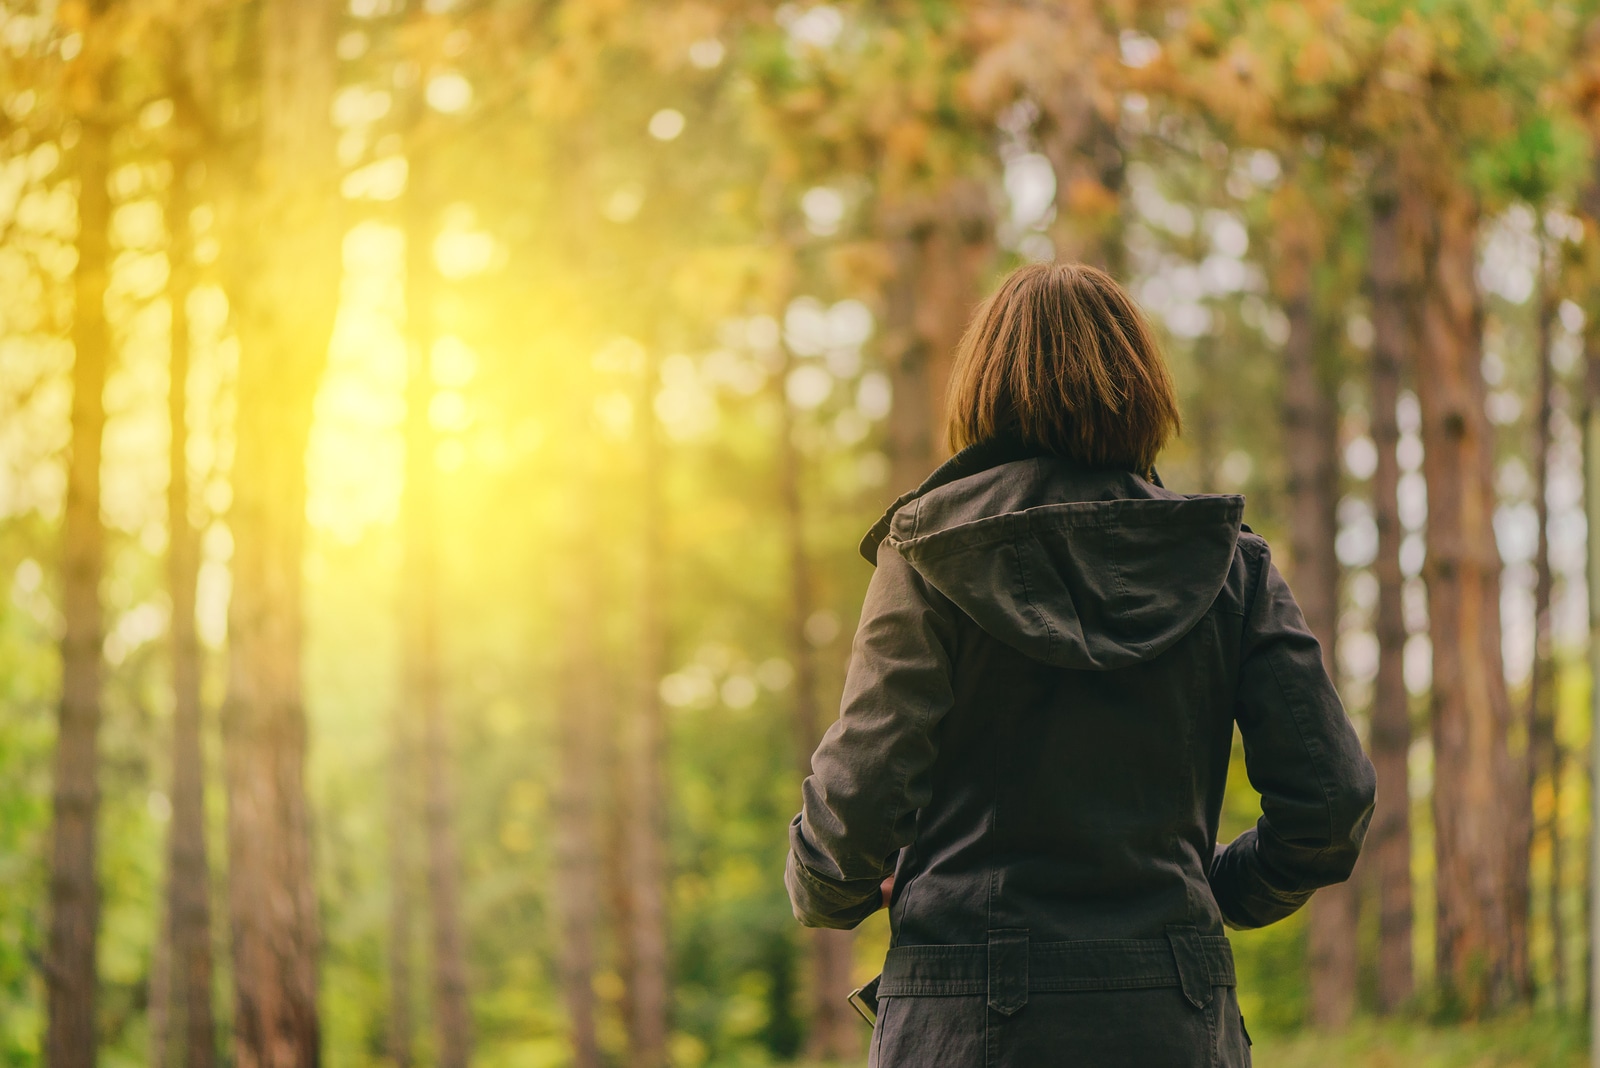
x=1061, y=357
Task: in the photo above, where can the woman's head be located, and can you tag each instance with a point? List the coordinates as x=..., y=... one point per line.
x=1062, y=358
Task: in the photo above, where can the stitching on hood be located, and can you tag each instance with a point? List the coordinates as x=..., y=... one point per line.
x=1027, y=599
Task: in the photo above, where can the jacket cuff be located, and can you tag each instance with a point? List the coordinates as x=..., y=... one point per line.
x=821, y=901
x=1244, y=897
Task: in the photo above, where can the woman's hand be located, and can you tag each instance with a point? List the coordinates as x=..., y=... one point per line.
x=887, y=887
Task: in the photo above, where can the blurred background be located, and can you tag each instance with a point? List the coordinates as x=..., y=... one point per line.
x=435, y=435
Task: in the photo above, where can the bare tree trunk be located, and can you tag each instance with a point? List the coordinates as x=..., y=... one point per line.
x=577, y=875
x=1555, y=906
x=647, y=827
x=404, y=773
x=1589, y=203
x=273, y=904
x=614, y=823
x=1311, y=441
x=1204, y=422
x=189, y=869
x=577, y=816
x=451, y=1013
x=1591, y=507
x=619, y=760
x=70, y=976
x=1532, y=760
x=158, y=1013
x=1082, y=145
x=1471, y=709
x=835, y=1028
x=1389, y=838
x=833, y=1031
x=1540, y=714
x=941, y=248
x=401, y=1028
x=285, y=287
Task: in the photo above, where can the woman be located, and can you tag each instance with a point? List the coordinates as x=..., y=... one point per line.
x=1029, y=764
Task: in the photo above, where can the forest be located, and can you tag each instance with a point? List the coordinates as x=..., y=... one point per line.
x=435, y=436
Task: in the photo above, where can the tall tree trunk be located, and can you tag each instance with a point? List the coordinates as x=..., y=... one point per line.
x=70, y=975
x=1542, y=757
x=1204, y=422
x=575, y=848
x=1084, y=151
x=577, y=830
x=158, y=1013
x=1311, y=442
x=285, y=287
x=401, y=1027
x=1589, y=202
x=451, y=1013
x=1591, y=507
x=1588, y=414
x=833, y=1031
x=405, y=773
x=405, y=812
x=616, y=867
x=614, y=822
x=647, y=867
x=189, y=870
x=1471, y=709
x=1532, y=761
x=940, y=247
x=1389, y=838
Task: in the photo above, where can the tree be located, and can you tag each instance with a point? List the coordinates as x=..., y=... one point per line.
x=1454, y=155
x=70, y=967
x=577, y=832
x=1471, y=709
x=1221, y=85
x=284, y=281
x=941, y=246
x=901, y=116
x=1585, y=87
x=1452, y=89
x=833, y=1033
x=646, y=799
x=1590, y=414
x=1311, y=446
x=1388, y=845
x=188, y=903
x=1543, y=757
x=452, y=1019
x=400, y=1028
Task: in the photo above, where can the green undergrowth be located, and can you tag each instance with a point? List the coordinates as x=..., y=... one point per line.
x=1529, y=1041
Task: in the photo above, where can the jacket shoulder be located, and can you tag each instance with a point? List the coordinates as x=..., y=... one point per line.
x=1251, y=558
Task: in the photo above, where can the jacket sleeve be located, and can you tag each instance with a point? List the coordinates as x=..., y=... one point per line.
x=871, y=773
x=1302, y=756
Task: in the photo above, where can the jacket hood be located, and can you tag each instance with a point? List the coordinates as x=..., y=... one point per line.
x=1079, y=568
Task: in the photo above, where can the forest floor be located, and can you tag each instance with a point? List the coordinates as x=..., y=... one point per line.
x=1539, y=1041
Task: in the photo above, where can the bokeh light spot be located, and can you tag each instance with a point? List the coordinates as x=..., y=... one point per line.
x=666, y=124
